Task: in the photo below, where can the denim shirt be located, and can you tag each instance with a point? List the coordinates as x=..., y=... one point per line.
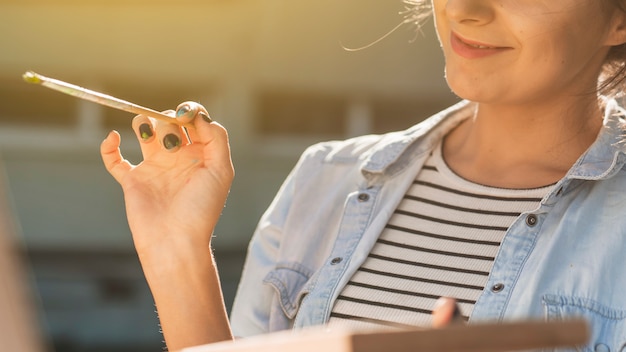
x=566, y=258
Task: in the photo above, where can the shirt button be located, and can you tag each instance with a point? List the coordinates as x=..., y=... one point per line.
x=602, y=348
x=336, y=261
x=531, y=220
x=497, y=287
x=363, y=197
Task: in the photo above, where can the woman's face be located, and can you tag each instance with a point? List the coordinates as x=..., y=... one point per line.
x=524, y=51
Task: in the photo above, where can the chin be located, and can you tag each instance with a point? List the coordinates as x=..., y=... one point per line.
x=470, y=94
x=475, y=92
x=475, y=87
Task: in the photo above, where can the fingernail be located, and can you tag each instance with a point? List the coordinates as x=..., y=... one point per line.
x=182, y=110
x=456, y=314
x=145, y=131
x=441, y=302
x=171, y=141
x=205, y=117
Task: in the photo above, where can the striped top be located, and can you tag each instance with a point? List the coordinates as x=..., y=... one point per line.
x=442, y=240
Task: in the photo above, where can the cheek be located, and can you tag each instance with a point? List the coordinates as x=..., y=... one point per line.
x=562, y=54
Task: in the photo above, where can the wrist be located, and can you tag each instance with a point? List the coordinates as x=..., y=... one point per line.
x=179, y=259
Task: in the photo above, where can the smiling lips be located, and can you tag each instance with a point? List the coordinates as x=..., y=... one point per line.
x=473, y=50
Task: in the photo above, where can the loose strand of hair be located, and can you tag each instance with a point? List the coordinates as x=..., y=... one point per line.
x=416, y=12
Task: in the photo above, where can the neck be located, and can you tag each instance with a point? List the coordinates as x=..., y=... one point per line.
x=517, y=146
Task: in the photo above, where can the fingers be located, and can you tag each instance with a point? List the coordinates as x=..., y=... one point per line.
x=205, y=131
x=156, y=134
x=170, y=136
x=211, y=135
x=112, y=157
x=144, y=128
x=446, y=312
x=189, y=113
x=216, y=146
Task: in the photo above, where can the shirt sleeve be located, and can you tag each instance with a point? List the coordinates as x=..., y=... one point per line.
x=251, y=311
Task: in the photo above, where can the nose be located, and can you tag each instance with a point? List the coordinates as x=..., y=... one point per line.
x=471, y=12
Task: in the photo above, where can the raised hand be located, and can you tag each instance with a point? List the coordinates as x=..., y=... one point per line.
x=174, y=198
x=180, y=187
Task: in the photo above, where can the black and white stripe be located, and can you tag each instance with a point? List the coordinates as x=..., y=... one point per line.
x=441, y=241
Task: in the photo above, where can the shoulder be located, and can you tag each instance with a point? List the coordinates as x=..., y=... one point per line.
x=378, y=151
x=361, y=147
x=342, y=151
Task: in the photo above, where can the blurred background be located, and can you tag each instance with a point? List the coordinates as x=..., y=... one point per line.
x=274, y=72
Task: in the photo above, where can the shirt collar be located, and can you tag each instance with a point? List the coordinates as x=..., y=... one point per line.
x=604, y=158
x=385, y=156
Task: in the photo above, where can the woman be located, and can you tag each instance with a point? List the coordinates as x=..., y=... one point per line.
x=510, y=202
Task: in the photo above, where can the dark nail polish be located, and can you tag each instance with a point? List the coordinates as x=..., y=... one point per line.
x=171, y=141
x=145, y=131
x=182, y=110
x=457, y=316
x=205, y=117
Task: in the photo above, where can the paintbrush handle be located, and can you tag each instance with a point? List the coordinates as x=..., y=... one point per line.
x=96, y=97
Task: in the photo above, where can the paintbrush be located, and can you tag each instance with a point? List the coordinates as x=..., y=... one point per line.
x=96, y=97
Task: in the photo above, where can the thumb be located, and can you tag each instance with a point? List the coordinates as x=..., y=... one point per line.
x=112, y=157
x=446, y=312
x=214, y=139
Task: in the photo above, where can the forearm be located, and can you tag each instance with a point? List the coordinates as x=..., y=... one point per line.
x=173, y=199
x=186, y=289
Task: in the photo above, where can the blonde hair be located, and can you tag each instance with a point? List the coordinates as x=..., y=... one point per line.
x=417, y=12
